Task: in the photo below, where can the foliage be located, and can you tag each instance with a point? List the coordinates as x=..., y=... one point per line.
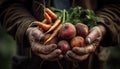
x=75, y=15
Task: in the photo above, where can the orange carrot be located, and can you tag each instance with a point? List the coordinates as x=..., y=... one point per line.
x=44, y=21
x=42, y=25
x=51, y=13
x=53, y=34
x=49, y=20
x=57, y=22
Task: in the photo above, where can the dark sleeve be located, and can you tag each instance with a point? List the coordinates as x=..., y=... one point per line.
x=15, y=20
x=110, y=18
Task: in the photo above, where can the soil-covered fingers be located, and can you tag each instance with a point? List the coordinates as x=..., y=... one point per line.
x=71, y=56
x=57, y=58
x=37, y=34
x=84, y=50
x=93, y=35
x=34, y=34
x=54, y=55
x=43, y=49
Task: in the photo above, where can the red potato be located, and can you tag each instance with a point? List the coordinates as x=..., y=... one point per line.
x=77, y=41
x=82, y=29
x=64, y=46
x=67, y=31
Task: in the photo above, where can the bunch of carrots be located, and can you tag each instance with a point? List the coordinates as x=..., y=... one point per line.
x=51, y=23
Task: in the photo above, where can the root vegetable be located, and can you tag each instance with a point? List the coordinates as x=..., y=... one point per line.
x=77, y=41
x=57, y=22
x=52, y=14
x=42, y=25
x=82, y=29
x=45, y=21
x=55, y=32
x=47, y=17
x=67, y=31
x=64, y=46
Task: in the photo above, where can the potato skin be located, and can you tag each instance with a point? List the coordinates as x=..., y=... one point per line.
x=64, y=46
x=77, y=41
x=68, y=31
x=82, y=29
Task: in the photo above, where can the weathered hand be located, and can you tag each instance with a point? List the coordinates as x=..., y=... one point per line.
x=46, y=52
x=93, y=39
x=95, y=35
x=76, y=54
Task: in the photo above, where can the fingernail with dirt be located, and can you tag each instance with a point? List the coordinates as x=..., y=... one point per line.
x=88, y=40
x=58, y=51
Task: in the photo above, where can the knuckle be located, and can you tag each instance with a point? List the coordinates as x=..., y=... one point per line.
x=36, y=48
x=44, y=50
x=76, y=49
x=68, y=53
x=37, y=34
x=71, y=54
x=53, y=46
x=91, y=48
x=54, y=53
x=58, y=51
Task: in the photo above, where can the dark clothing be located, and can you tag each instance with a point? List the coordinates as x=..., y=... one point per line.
x=17, y=15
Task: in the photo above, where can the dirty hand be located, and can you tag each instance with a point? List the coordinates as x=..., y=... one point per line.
x=93, y=39
x=46, y=52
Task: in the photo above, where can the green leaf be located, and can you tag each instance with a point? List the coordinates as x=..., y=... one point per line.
x=77, y=14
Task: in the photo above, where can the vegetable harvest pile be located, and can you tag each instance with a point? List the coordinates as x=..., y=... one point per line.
x=66, y=28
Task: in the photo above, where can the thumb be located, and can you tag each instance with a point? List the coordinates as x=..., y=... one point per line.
x=95, y=32
x=37, y=34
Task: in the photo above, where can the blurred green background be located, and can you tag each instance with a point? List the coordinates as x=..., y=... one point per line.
x=8, y=48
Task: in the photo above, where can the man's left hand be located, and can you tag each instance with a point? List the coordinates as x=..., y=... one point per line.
x=93, y=39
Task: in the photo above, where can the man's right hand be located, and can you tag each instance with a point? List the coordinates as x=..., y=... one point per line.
x=46, y=52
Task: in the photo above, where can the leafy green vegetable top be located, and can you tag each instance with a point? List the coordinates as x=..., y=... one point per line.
x=75, y=15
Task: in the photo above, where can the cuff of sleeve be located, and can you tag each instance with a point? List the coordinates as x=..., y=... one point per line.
x=110, y=38
x=20, y=34
x=22, y=39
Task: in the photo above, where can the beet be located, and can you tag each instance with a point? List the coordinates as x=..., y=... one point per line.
x=67, y=31
x=64, y=46
x=82, y=29
x=77, y=41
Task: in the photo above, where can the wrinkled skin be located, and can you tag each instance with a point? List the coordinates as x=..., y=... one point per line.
x=93, y=39
x=46, y=52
